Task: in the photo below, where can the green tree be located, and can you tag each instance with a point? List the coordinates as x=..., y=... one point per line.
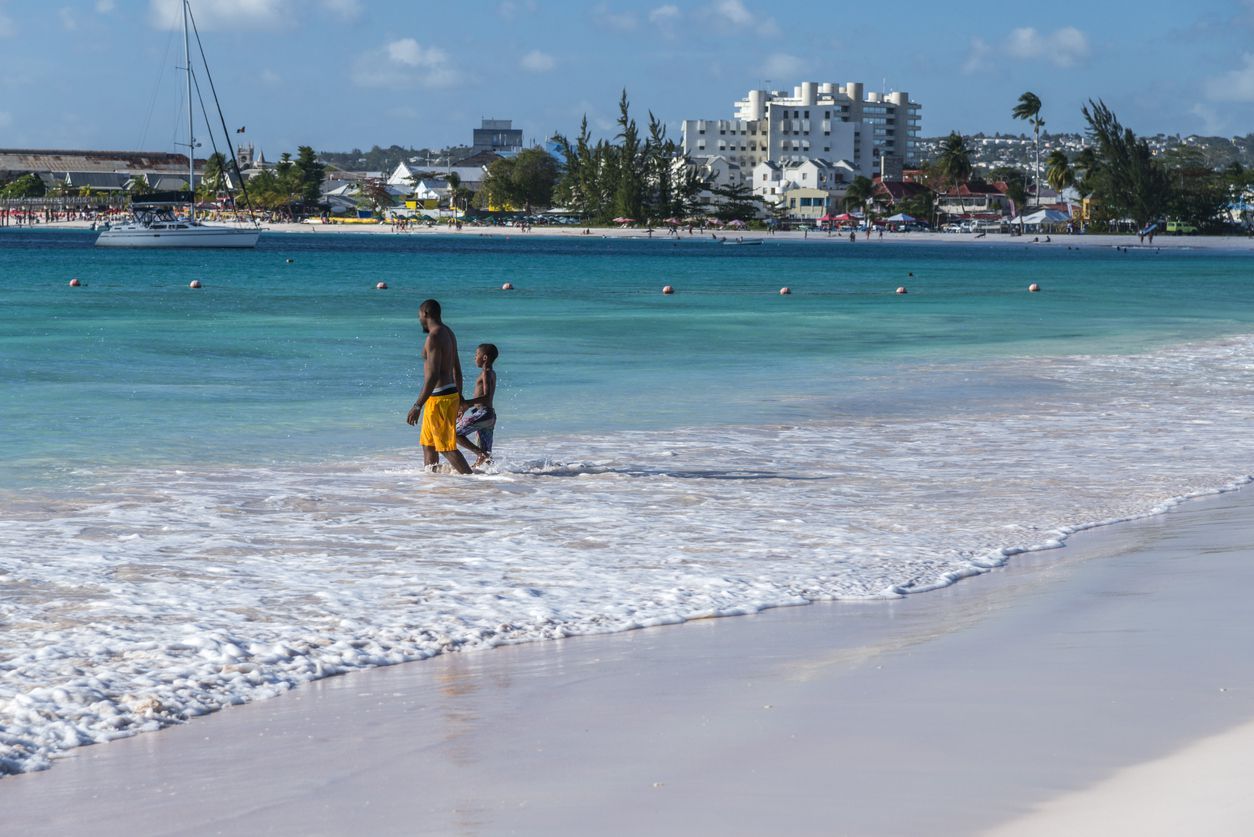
x=1058, y=172
x=738, y=203
x=1083, y=167
x=309, y=175
x=629, y=180
x=458, y=195
x=1128, y=182
x=1199, y=194
x=954, y=162
x=1029, y=109
x=859, y=193
x=138, y=185
x=533, y=177
x=26, y=186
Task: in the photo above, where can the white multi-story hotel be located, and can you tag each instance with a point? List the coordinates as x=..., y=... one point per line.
x=875, y=133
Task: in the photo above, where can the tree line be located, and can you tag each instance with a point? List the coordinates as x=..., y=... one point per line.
x=1117, y=172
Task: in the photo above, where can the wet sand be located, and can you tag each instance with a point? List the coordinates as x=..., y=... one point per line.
x=1046, y=697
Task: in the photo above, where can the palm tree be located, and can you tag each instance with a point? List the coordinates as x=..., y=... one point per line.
x=1029, y=108
x=859, y=192
x=954, y=162
x=456, y=191
x=1058, y=170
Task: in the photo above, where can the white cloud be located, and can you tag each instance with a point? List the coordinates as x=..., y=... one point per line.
x=510, y=9
x=68, y=21
x=404, y=63
x=1235, y=85
x=220, y=14
x=7, y=30
x=346, y=9
x=537, y=62
x=666, y=19
x=783, y=66
x=977, y=57
x=664, y=15
x=270, y=78
x=1063, y=47
x=733, y=11
x=104, y=7
x=622, y=21
x=6, y=119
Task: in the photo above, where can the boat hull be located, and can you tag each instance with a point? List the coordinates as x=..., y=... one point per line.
x=199, y=237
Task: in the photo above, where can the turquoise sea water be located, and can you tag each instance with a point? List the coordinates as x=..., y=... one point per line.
x=210, y=496
x=272, y=361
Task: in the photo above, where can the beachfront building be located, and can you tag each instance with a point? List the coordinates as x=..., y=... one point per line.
x=976, y=201
x=771, y=179
x=808, y=205
x=497, y=135
x=875, y=132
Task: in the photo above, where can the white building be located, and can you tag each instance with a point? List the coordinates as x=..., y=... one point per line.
x=771, y=179
x=875, y=132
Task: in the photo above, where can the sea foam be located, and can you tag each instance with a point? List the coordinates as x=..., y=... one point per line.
x=161, y=595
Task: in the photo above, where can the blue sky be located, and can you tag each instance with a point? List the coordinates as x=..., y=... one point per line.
x=338, y=74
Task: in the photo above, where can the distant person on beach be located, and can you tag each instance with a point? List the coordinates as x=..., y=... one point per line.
x=479, y=416
x=441, y=393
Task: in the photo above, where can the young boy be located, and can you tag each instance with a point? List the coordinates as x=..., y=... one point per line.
x=479, y=416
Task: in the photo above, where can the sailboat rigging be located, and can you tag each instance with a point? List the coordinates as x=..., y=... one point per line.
x=155, y=221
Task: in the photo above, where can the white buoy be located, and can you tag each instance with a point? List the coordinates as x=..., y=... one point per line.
x=508, y=286
x=74, y=283
x=195, y=283
x=382, y=286
x=1034, y=288
x=902, y=290
x=668, y=290
x=785, y=291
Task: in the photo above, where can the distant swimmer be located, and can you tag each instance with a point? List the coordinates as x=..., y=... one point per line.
x=441, y=393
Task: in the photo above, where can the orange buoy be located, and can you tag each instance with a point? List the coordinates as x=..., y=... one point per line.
x=508, y=286
x=195, y=283
x=785, y=291
x=74, y=283
x=902, y=290
x=383, y=286
x=1034, y=287
x=668, y=290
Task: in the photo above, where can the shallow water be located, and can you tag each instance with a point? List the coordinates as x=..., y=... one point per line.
x=210, y=496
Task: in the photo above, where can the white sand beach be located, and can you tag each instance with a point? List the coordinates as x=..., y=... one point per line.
x=1103, y=688
x=1161, y=243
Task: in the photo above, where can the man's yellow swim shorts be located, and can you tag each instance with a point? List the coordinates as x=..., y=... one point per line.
x=439, y=422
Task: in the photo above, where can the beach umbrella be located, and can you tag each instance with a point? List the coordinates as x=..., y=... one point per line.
x=673, y=221
x=736, y=223
x=845, y=217
x=624, y=220
x=901, y=218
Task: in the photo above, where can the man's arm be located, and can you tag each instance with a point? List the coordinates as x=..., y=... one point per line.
x=428, y=382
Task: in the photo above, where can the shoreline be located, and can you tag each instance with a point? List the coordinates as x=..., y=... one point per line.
x=1035, y=684
x=1164, y=243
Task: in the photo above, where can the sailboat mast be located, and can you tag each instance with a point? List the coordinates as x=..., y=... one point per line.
x=191, y=118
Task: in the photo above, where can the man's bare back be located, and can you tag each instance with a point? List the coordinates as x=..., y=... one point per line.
x=442, y=377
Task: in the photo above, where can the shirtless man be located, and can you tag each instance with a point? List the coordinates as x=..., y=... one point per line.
x=441, y=393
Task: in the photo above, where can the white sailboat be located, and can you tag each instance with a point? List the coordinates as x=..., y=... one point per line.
x=155, y=221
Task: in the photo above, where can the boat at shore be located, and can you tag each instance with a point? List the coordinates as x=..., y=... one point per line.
x=155, y=221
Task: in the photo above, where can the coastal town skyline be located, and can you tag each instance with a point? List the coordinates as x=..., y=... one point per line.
x=283, y=68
